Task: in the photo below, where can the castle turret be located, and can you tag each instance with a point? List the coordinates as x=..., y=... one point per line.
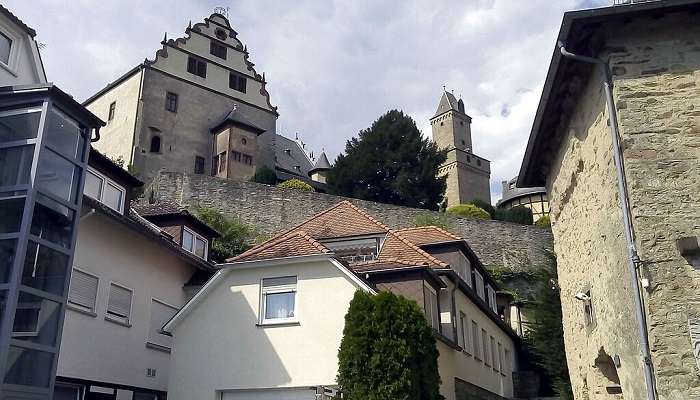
x=319, y=172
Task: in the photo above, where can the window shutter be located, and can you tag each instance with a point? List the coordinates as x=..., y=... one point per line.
x=160, y=315
x=119, y=301
x=83, y=289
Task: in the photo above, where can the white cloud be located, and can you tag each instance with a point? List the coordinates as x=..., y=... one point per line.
x=334, y=66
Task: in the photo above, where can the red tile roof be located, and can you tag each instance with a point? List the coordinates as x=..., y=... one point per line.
x=296, y=243
x=342, y=220
x=397, y=247
x=427, y=235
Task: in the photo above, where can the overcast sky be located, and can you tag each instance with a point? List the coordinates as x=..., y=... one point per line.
x=333, y=67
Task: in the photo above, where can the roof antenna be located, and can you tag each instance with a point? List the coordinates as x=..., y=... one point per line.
x=165, y=37
x=444, y=88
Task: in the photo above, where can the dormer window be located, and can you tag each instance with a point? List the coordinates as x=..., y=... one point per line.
x=355, y=250
x=104, y=190
x=194, y=243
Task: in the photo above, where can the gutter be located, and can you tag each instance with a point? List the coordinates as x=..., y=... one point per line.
x=633, y=257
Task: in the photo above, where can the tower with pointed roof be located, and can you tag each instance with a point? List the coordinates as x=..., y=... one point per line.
x=467, y=174
x=319, y=172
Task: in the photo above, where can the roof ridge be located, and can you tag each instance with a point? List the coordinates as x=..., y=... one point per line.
x=435, y=227
x=326, y=211
x=418, y=249
x=277, y=240
x=366, y=215
x=311, y=218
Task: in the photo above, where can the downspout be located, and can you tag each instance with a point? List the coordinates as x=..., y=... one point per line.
x=633, y=260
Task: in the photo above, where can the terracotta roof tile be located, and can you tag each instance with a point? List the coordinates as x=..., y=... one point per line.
x=296, y=243
x=377, y=265
x=398, y=247
x=341, y=220
x=428, y=234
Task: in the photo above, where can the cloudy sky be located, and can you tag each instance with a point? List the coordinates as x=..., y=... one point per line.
x=334, y=66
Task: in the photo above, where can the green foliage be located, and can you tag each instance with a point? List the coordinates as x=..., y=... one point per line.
x=519, y=215
x=297, y=184
x=388, y=350
x=485, y=206
x=469, y=211
x=265, y=175
x=544, y=222
x=390, y=163
x=431, y=219
x=236, y=236
x=546, y=338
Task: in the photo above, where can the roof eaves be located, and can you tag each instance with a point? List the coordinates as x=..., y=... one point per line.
x=31, y=32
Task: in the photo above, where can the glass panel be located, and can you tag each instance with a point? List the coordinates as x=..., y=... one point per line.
x=5, y=47
x=200, y=247
x=52, y=221
x=28, y=367
x=281, y=281
x=112, y=197
x=7, y=257
x=279, y=305
x=63, y=134
x=15, y=165
x=66, y=392
x=93, y=185
x=57, y=175
x=36, y=319
x=11, y=211
x=19, y=124
x=45, y=269
x=187, y=240
x=3, y=302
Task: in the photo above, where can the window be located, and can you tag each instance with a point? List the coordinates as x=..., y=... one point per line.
x=217, y=49
x=475, y=340
x=486, y=347
x=198, y=165
x=355, y=250
x=236, y=156
x=171, y=102
x=220, y=34
x=5, y=48
x=83, y=290
x=491, y=298
x=501, y=360
x=64, y=391
x=432, y=313
x=278, y=300
x=119, y=303
x=155, y=144
x=160, y=315
x=464, y=269
x=464, y=332
x=237, y=82
x=507, y=366
x=194, y=243
x=479, y=282
x=112, y=110
x=197, y=66
x=104, y=190
x=247, y=159
x=496, y=360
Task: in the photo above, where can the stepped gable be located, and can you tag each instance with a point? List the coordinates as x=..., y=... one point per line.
x=292, y=244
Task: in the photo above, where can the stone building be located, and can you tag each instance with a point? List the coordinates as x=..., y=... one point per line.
x=467, y=174
x=534, y=198
x=653, y=51
x=156, y=119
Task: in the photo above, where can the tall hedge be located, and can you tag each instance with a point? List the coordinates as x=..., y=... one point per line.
x=468, y=211
x=388, y=351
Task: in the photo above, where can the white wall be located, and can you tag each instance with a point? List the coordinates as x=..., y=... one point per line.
x=24, y=66
x=93, y=348
x=218, y=345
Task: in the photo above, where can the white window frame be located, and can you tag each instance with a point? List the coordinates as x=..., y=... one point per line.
x=195, y=236
x=97, y=293
x=148, y=335
x=487, y=347
x=434, y=320
x=495, y=359
x=35, y=332
x=492, y=298
x=502, y=359
x=126, y=321
x=15, y=46
x=479, y=283
x=106, y=181
x=478, y=351
x=465, y=329
x=278, y=289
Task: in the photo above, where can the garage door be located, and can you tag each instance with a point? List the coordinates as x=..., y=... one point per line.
x=270, y=394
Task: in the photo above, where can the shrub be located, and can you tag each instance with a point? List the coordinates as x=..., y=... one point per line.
x=297, y=184
x=431, y=219
x=469, y=211
x=265, y=175
x=544, y=222
x=485, y=206
x=236, y=236
x=388, y=350
x=519, y=215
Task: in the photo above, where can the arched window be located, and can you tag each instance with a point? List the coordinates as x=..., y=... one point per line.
x=155, y=144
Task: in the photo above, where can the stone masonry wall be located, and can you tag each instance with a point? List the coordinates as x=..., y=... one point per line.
x=656, y=63
x=272, y=210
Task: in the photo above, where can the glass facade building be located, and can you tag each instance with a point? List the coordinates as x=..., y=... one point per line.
x=44, y=144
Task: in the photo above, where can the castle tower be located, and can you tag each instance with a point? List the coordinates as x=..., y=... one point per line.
x=467, y=174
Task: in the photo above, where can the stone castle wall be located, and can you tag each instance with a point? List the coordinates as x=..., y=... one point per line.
x=272, y=210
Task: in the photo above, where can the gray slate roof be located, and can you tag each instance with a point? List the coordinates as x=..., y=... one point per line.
x=448, y=102
x=289, y=155
x=321, y=164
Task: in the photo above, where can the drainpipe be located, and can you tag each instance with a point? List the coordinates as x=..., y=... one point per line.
x=633, y=261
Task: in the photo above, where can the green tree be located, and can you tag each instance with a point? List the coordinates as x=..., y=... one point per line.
x=388, y=351
x=485, y=206
x=297, y=184
x=265, y=175
x=546, y=338
x=517, y=214
x=236, y=236
x=390, y=163
x=468, y=211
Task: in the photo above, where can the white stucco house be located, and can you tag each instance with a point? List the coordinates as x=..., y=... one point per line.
x=20, y=61
x=269, y=324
